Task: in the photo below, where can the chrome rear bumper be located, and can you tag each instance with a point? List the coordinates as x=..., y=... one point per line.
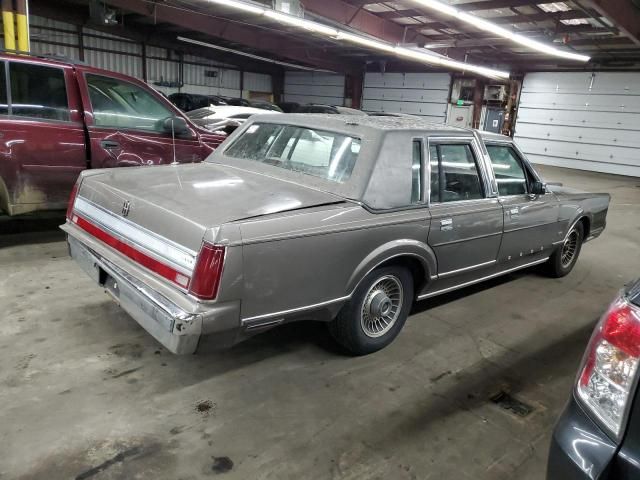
x=177, y=330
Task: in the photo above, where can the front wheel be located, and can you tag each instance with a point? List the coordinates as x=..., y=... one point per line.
x=566, y=255
x=376, y=312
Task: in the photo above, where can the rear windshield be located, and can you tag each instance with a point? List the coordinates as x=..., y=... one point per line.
x=323, y=154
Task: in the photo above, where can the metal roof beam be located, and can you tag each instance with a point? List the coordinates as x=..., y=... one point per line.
x=275, y=42
x=623, y=13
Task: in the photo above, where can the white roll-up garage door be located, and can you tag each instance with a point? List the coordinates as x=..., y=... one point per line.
x=424, y=94
x=314, y=87
x=588, y=121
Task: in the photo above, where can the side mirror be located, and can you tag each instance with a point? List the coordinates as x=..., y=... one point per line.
x=176, y=125
x=538, y=188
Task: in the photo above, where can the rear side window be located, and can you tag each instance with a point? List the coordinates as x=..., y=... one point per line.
x=38, y=92
x=457, y=174
x=508, y=170
x=121, y=104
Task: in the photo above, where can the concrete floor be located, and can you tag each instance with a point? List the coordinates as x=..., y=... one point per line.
x=87, y=394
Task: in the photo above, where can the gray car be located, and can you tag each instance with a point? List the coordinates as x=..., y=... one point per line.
x=341, y=219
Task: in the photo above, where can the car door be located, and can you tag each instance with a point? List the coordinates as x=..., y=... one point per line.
x=125, y=124
x=42, y=143
x=466, y=219
x=530, y=221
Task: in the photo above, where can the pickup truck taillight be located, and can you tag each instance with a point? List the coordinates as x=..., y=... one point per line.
x=72, y=198
x=608, y=373
x=207, y=272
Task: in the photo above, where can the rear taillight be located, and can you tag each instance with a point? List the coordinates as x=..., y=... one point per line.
x=608, y=373
x=207, y=272
x=72, y=198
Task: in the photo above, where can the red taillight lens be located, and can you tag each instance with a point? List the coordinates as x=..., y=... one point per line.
x=609, y=368
x=72, y=198
x=208, y=271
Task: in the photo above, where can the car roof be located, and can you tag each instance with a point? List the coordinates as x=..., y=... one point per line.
x=366, y=124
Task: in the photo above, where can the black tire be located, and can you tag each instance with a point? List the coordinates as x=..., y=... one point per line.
x=355, y=326
x=558, y=265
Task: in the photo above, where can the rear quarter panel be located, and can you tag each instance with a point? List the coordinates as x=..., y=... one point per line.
x=574, y=206
x=299, y=260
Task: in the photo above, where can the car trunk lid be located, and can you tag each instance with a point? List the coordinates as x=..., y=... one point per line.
x=181, y=203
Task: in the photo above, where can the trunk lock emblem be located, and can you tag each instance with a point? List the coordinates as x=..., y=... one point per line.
x=126, y=207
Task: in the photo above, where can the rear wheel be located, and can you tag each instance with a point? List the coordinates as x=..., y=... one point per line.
x=376, y=312
x=566, y=255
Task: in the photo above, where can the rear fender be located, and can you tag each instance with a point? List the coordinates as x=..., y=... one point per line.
x=395, y=249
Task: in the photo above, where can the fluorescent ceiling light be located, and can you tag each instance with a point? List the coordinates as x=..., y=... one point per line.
x=245, y=54
x=338, y=34
x=490, y=27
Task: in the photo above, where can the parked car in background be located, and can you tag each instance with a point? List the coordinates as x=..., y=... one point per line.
x=191, y=101
x=598, y=434
x=238, y=102
x=288, y=107
x=332, y=218
x=58, y=118
x=225, y=118
x=264, y=105
x=330, y=109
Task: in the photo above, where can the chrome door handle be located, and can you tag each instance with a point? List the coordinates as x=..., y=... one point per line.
x=446, y=224
x=514, y=211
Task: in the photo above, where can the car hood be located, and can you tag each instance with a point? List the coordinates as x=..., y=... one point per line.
x=180, y=202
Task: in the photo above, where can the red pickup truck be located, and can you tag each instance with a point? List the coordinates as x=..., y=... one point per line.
x=58, y=118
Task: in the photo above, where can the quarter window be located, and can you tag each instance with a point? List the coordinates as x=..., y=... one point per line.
x=508, y=170
x=456, y=176
x=38, y=92
x=416, y=172
x=121, y=104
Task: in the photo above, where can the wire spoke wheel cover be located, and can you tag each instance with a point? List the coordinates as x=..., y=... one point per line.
x=381, y=306
x=569, y=248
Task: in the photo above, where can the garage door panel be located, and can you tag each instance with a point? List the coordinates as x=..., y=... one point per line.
x=617, y=121
x=586, y=102
x=582, y=120
x=591, y=153
x=407, y=95
x=314, y=87
x=633, y=171
x=423, y=94
x=315, y=90
x=612, y=83
x=597, y=136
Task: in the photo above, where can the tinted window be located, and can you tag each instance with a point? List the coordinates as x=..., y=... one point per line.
x=458, y=176
x=121, y=104
x=508, y=170
x=4, y=109
x=416, y=172
x=327, y=155
x=38, y=92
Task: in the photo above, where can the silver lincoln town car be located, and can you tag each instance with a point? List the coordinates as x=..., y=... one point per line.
x=340, y=219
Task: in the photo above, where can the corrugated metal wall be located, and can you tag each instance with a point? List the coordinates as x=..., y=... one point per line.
x=581, y=120
x=119, y=54
x=424, y=94
x=314, y=87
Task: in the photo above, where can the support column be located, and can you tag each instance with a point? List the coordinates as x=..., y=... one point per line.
x=22, y=21
x=8, y=23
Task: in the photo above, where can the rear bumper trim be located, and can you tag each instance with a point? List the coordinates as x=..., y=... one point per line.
x=179, y=331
